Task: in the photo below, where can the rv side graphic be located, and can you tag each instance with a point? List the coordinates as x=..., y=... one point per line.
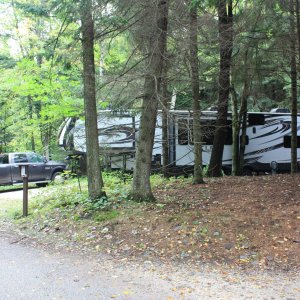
x=268, y=138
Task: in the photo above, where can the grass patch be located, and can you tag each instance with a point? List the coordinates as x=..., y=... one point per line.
x=10, y=209
x=105, y=216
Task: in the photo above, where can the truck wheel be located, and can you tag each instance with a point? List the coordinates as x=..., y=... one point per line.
x=57, y=177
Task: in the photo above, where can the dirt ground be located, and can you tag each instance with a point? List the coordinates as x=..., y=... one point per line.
x=248, y=222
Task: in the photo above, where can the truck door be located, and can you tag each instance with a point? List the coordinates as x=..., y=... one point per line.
x=16, y=159
x=5, y=170
x=37, y=167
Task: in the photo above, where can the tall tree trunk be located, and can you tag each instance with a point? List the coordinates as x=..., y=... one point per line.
x=95, y=182
x=165, y=119
x=243, y=121
x=194, y=63
x=226, y=43
x=235, y=133
x=298, y=32
x=243, y=116
x=293, y=89
x=141, y=187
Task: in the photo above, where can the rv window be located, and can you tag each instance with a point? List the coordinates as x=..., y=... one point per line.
x=256, y=119
x=208, y=131
x=183, y=132
x=228, y=140
x=287, y=141
x=208, y=134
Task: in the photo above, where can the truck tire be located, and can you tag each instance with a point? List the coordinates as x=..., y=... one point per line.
x=57, y=177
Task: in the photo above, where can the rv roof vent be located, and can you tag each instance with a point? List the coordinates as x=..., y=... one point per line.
x=280, y=110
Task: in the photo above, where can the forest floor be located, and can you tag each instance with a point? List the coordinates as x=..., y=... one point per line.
x=247, y=222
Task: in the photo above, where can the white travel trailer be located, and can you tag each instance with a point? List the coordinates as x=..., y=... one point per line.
x=268, y=138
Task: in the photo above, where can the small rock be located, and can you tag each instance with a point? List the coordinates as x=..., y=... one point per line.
x=105, y=230
x=126, y=248
x=108, y=236
x=228, y=246
x=177, y=227
x=184, y=255
x=269, y=258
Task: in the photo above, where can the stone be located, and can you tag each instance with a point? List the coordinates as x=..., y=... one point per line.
x=228, y=246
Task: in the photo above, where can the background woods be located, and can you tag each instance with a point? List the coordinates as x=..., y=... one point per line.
x=61, y=59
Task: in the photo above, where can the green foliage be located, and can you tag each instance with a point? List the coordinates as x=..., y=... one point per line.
x=105, y=216
x=31, y=9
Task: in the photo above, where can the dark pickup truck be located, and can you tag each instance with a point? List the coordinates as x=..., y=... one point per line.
x=40, y=171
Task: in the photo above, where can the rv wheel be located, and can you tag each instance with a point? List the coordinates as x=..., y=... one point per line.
x=247, y=171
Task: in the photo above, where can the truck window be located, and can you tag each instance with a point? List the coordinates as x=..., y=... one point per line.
x=35, y=158
x=3, y=159
x=19, y=158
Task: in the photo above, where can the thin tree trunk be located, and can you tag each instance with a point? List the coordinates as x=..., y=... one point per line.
x=226, y=43
x=95, y=182
x=165, y=123
x=298, y=31
x=141, y=187
x=243, y=116
x=235, y=133
x=243, y=122
x=293, y=89
x=194, y=63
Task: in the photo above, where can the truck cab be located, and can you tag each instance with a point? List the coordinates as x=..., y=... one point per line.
x=40, y=170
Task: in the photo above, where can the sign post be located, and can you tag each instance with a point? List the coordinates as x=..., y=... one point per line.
x=24, y=170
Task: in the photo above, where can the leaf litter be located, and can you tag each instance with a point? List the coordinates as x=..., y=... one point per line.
x=244, y=222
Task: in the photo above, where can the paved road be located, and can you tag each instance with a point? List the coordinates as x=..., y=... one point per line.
x=32, y=273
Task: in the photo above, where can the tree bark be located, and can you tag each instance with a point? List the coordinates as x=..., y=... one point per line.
x=243, y=115
x=165, y=120
x=194, y=63
x=95, y=182
x=141, y=187
x=226, y=42
x=293, y=89
x=235, y=133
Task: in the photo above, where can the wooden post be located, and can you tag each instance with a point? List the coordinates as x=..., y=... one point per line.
x=24, y=170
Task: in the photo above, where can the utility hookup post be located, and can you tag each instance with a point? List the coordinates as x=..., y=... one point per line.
x=274, y=167
x=24, y=170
